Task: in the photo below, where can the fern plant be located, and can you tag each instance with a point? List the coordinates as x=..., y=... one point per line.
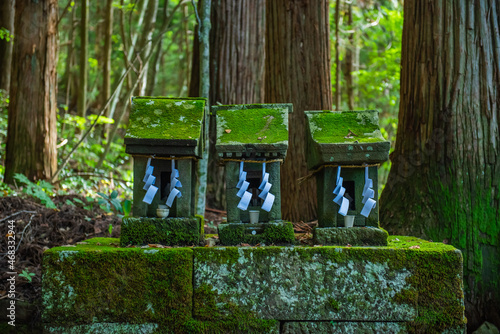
x=40, y=190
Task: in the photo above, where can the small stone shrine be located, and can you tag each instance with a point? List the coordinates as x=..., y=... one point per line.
x=345, y=149
x=165, y=138
x=252, y=141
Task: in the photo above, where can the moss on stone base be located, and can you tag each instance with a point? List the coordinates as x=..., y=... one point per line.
x=230, y=318
x=99, y=282
x=354, y=236
x=272, y=233
x=168, y=231
x=251, y=289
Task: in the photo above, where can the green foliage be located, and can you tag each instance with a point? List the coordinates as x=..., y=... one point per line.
x=26, y=274
x=5, y=34
x=42, y=190
x=106, y=202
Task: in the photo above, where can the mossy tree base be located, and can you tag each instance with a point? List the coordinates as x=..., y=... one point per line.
x=166, y=231
x=354, y=236
x=99, y=287
x=232, y=234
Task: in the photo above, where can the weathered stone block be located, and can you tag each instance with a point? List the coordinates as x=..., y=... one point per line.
x=410, y=285
x=253, y=234
x=420, y=285
x=100, y=283
x=327, y=327
x=354, y=236
x=165, y=231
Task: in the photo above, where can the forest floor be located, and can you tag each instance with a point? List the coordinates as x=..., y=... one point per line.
x=39, y=228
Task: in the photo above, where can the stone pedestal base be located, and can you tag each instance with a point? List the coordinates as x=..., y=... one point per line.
x=276, y=232
x=354, y=236
x=165, y=231
x=409, y=286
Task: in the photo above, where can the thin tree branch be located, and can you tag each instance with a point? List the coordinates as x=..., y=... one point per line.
x=65, y=10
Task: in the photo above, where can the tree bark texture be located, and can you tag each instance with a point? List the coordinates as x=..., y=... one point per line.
x=445, y=177
x=84, y=41
x=349, y=60
x=237, y=52
x=338, y=93
x=7, y=22
x=298, y=71
x=32, y=134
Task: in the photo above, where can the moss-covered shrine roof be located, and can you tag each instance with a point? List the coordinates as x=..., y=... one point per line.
x=162, y=121
x=345, y=137
x=165, y=118
x=344, y=126
x=260, y=128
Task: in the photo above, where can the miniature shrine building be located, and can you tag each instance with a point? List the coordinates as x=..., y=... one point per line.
x=252, y=134
x=351, y=141
x=165, y=133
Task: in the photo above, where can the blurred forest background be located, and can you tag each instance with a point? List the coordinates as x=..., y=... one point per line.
x=98, y=42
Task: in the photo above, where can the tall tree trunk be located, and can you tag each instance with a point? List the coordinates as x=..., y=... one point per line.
x=32, y=133
x=84, y=36
x=7, y=22
x=338, y=93
x=237, y=53
x=106, y=63
x=144, y=44
x=298, y=71
x=68, y=73
x=349, y=60
x=445, y=177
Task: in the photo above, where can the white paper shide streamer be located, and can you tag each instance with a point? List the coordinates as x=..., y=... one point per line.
x=149, y=181
x=264, y=187
x=174, y=184
x=368, y=195
x=339, y=192
x=243, y=193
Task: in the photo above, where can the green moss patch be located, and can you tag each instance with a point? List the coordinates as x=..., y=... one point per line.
x=345, y=126
x=166, y=118
x=238, y=125
x=168, y=231
x=99, y=282
x=230, y=318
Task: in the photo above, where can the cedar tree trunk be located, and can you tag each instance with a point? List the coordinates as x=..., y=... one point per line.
x=7, y=22
x=445, y=177
x=32, y=133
